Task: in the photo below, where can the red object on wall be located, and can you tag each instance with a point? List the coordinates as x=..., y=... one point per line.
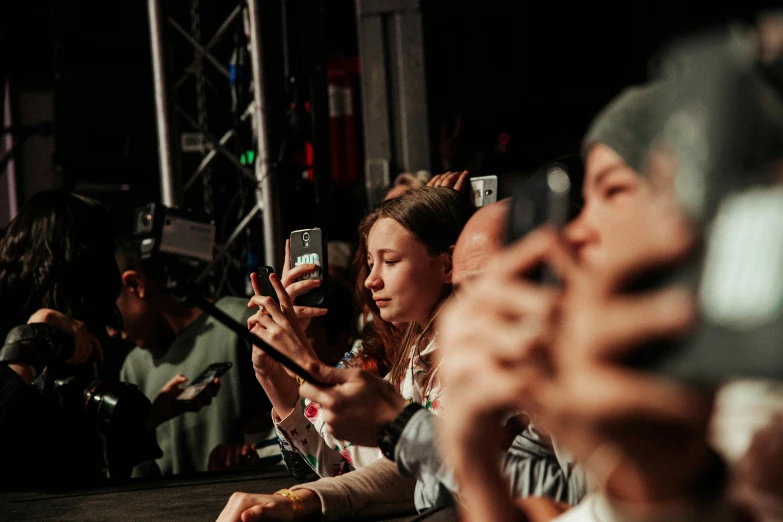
x=343, y=77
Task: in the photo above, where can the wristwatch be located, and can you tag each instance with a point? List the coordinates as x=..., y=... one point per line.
x=390, y=434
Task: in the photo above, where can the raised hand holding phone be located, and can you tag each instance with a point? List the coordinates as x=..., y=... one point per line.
x=278, y=325
x=279, y=335
x=308, y=247
x=295, y=285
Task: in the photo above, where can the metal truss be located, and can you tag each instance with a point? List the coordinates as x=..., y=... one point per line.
x=162, y=27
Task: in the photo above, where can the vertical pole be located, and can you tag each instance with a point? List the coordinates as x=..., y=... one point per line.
x=169, y=191
x=10, y=171
x=266, y=198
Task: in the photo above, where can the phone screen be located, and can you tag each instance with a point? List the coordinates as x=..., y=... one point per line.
x=198, y=385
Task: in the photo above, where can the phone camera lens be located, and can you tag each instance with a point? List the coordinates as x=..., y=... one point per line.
x=488, y=192
x=306, y=237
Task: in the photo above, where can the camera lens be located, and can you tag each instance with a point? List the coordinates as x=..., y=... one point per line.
x=306, y=236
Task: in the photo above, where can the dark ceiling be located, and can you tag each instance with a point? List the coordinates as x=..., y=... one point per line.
x=535, y=70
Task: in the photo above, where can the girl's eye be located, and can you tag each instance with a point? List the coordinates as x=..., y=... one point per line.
x=370, y=265
x=612, y=191
x=390, y=263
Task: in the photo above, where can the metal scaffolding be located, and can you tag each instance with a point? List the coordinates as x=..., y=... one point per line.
x=163, y=28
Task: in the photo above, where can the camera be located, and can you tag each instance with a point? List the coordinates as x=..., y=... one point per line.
x=112, y=408
x=116, y=410
x=183, y=233
x=180, y=241
x=306, y=237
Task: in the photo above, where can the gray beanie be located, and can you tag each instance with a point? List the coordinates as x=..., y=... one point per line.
x=629, y=124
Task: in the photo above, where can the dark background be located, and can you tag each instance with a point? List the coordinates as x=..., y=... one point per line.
x=537, y=71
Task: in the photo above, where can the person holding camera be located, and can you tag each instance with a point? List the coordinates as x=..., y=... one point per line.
x=58, y=286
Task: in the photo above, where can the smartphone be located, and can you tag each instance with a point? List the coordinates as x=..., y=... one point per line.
x=485, y=190
x=309, y=246
x=263, y=281
x=551, y=196
x=213, y=371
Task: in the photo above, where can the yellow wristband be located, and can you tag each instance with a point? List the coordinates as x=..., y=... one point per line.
x=296, y=499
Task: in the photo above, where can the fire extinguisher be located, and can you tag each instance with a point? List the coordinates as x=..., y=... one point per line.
x=343, y=77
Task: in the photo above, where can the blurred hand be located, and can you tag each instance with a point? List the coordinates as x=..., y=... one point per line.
x=165, y=406
x=84, y=343
x=641, y=435
x=357, y=407
x=757, y=483
x=496, y=326
x=236, y=456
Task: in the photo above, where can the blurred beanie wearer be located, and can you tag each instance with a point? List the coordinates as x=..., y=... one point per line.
x=627, y=124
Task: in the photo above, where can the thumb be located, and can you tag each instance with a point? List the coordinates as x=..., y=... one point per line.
x=174, y=383
x=252, y=514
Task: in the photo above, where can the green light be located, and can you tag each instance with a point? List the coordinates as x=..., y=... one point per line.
x=247, y=157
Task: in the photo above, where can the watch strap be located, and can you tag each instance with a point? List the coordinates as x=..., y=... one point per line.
x=390, y=435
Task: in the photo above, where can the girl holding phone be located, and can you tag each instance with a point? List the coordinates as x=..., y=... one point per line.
x=409, y=247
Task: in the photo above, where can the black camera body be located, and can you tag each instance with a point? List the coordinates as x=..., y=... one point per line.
x=111, y=407
x=118, y=411
x=179, y=241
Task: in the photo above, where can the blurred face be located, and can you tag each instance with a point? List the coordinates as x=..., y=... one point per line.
x=625, y=216
x=143, y=324
x=480, y=239
x=405, y=280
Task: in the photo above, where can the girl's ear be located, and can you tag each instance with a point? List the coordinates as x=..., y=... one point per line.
x=447, y=265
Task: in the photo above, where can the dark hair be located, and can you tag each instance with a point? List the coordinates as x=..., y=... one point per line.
x=128, y=254
x=59, y=253
x=435, y=216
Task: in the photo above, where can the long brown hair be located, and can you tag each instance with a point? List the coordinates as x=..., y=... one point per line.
x=380, y=339
x=435, y=216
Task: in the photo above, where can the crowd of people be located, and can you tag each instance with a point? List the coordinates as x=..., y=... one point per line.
x=458, y=381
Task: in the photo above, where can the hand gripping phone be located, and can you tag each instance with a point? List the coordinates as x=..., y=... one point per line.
x=210, y=373
x=308, y=246
x=551, y=196
x=263, y=281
